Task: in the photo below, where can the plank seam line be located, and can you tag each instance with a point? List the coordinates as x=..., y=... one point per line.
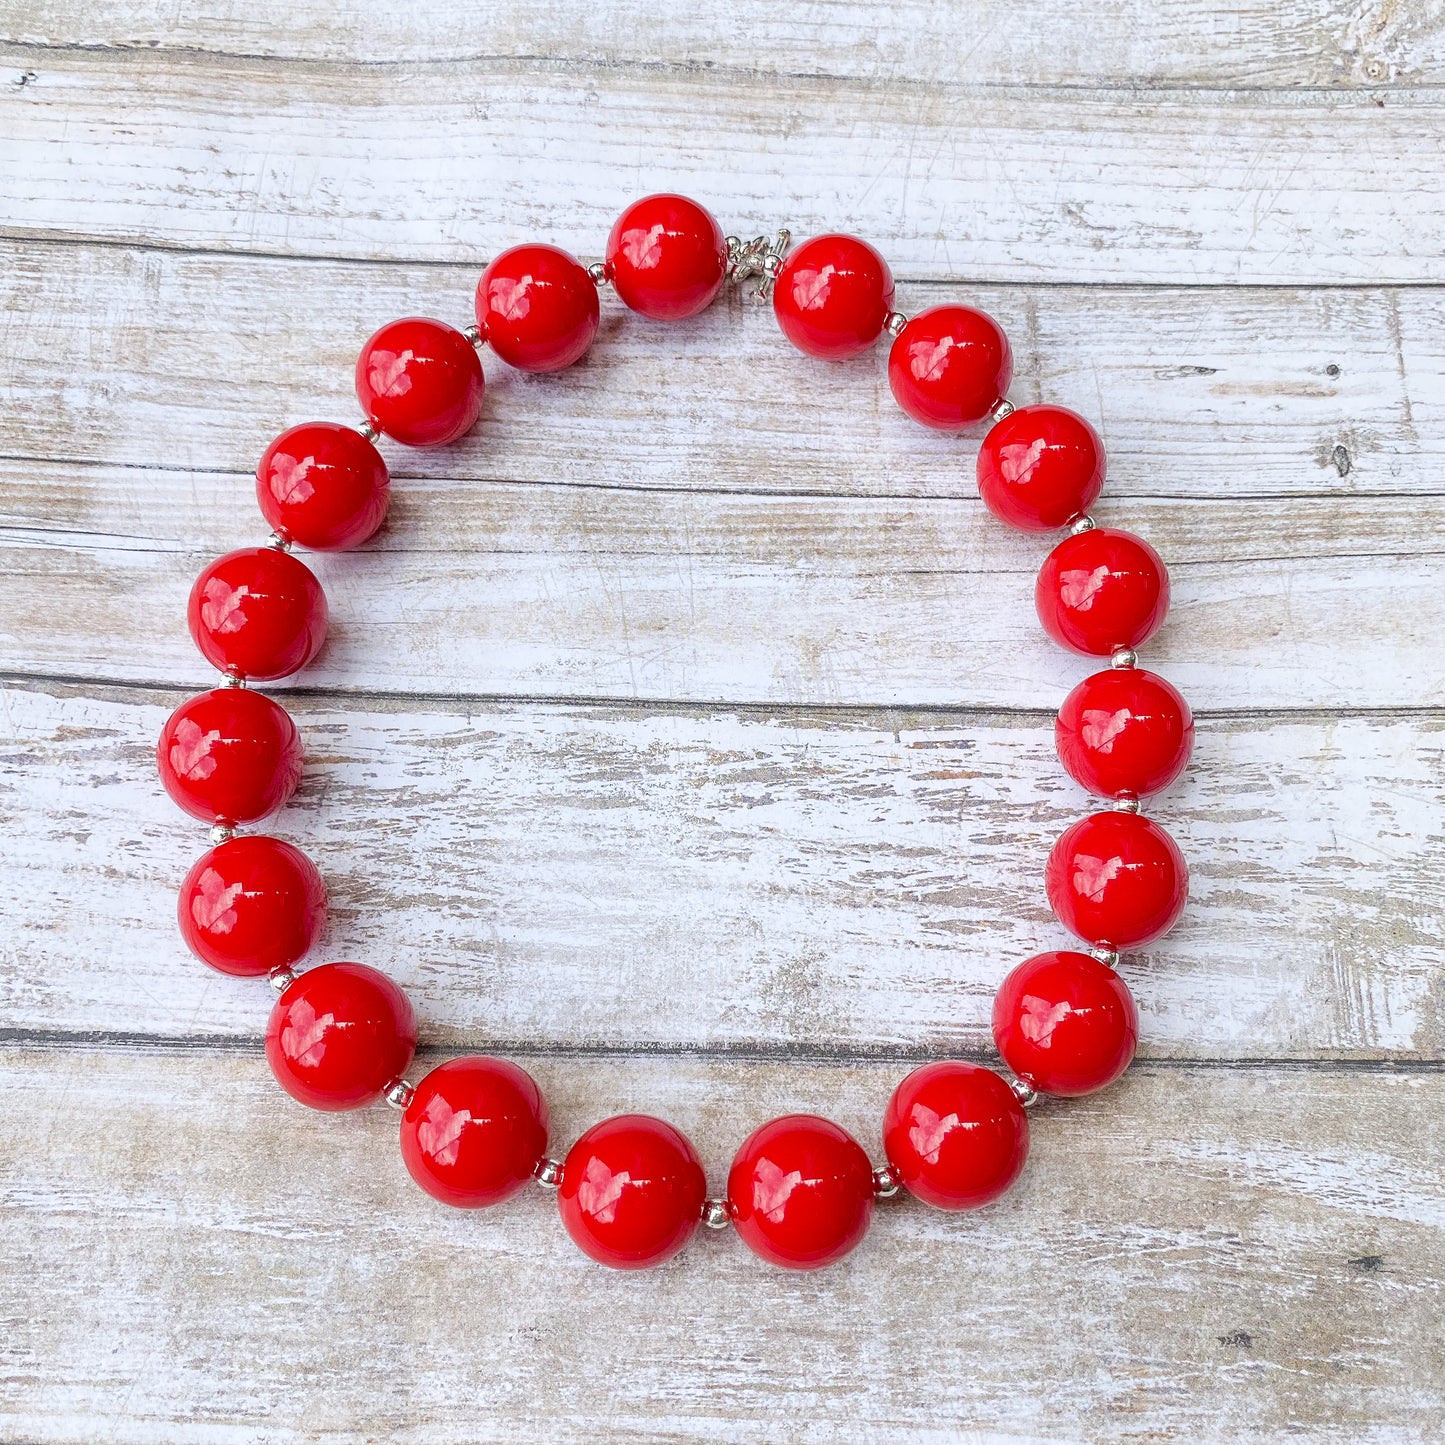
x=57, y=237
x=881, y=712
x=121, y=1040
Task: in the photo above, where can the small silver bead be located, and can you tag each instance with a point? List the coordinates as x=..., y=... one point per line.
x=1082, y=523
x=1127, y=805
x=716, y=1214
x=548, y=1173
x=400, y=1093
x=280, y=979
x=894, y=322
x=1004, y=407
x=229, y=679
x=886, y=1182
x=1124, y=657
x=599, y=273
x=475, y=334
x=1024, y=1092
x=368, y=431
x=280, y=541
x=222, y=833
x=1109, y=957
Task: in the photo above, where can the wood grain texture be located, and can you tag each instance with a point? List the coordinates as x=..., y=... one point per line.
x=799, y=882
x=995, y=183
x=273, y=1276
x=1186, y=43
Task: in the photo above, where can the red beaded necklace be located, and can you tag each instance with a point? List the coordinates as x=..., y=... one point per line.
x=632, y=1191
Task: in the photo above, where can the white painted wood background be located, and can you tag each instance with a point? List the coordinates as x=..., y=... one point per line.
x=686, y=732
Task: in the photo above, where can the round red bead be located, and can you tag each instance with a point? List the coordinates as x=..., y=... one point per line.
x=323, y=485
x=538, y=308
x=420, y=382
x=340, y=1036
x=801, y=1192
x=229, y=756
x=949, y=366
x=832, y=296
x=1124, y=733
x=1066, y=1023
x=1101, y=590
x=1117, y=880
x=474, y=1131
x=666, y=257
x=257, y=613
x=250, y=905
x=1039, y=467
x=632, y=1191
x=956, y=1134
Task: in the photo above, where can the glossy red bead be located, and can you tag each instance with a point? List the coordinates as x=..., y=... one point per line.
x=666, y=257
x=1039, y=467
x=1124, y=733
x=832, y=296
x=1101, y=590
x=250, y=905
x=420, y=382
x=323, y=485
x=257, y=613
x=632, y=1191
x=956, y=1134
x=950, y=366
x=538, y=308
x=1066, y=1023
x=340, y=1036
x=801, y=1192
x=229, y=756
x=474, y=1131
x=1117, y=880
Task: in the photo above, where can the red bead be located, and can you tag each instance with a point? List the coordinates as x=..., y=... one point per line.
x=257, y=613
x=229, y=756
x=666, y=257
x=1102, y=590
x=474, y=1131
x=323, y=485
x=950, y=366
x=1066, y=1023
x=956, y=1134
x=832, y=296
x=1039, y=467
x=801, y=1192
x=538, y=308
x=1124, y=733
x=632, y=1191
x=1117, y=880
x=250, y=905
x=340, y=1036
x=420, y=382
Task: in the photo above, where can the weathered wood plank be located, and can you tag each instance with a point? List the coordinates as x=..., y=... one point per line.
x=998, y=183
x=668, y=878
x=529, y=591
x=189, y=1257
x=925, y=42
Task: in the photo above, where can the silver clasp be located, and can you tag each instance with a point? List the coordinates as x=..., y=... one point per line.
x=758, y=257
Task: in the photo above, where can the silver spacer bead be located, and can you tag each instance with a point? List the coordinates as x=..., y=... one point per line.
x=1024, y=1092
x=716, y=1214
x=1109, y=957
x=1124, y=657
x=1082, y=523
x=400, y=1093
x=229, y=679
x=280, y=541
x=280, y=979
x=548, y=1173
x=885, y=1182
x=1004, y=407
x=475, y=335
x=894, y=322
x=223, y=833
x=599, y=273
x=368, y=431
x=1127, y=805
